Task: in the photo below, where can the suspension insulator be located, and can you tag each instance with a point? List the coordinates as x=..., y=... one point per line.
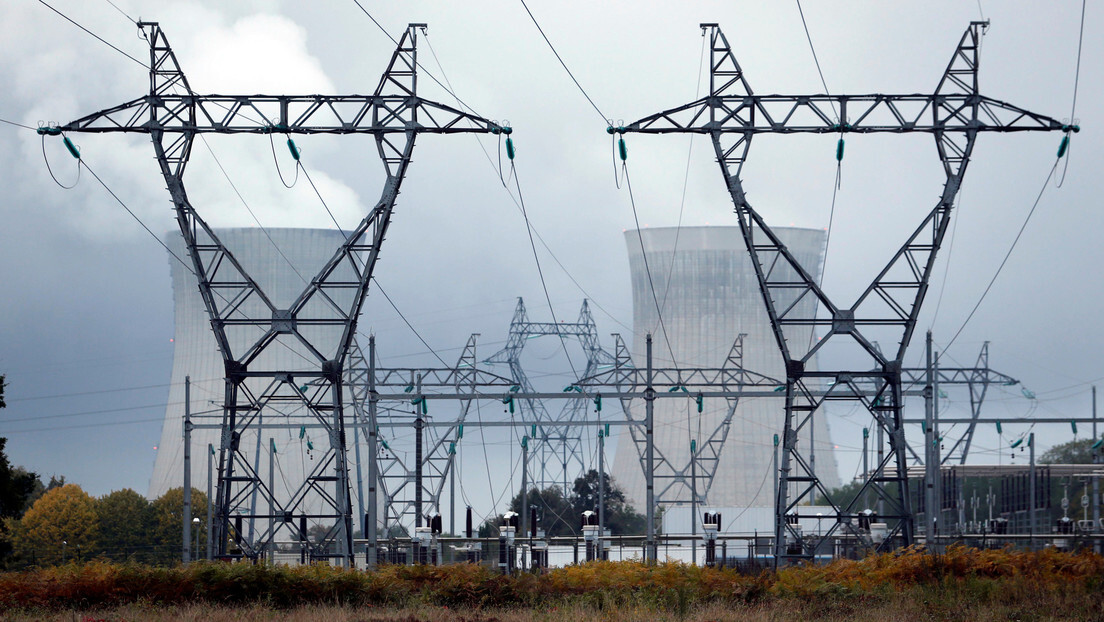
x=839, y=151
x=71, y=147
x=460, y=431
x=293, y=149
x=509, y=148
x=1063, y=146
x=1073, y=424
x=621, y=149
x=999, y=431
x=598, y=403
x=700, y=401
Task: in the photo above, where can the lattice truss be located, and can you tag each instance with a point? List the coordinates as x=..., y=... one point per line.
x=674, y=479
x=400, y=465
x=556, y=454
x=319, y=324
x=732, y=115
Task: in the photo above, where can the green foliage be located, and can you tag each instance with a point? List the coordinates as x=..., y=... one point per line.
x=621, y=518
x=560, y=515
x=1078, y=451
x=125, y=519
x=166, y=522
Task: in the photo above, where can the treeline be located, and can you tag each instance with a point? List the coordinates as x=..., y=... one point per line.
x=67, y=524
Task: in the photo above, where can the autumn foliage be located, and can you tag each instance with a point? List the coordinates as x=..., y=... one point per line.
x=978, y=576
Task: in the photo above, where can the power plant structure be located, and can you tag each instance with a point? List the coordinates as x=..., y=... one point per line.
x=705, y=284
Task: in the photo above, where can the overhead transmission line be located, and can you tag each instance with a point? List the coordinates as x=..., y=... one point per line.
x=1062, y=151
x=98, y=37
x=571, y=75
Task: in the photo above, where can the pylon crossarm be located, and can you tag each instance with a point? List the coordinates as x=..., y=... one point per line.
x=872, y=113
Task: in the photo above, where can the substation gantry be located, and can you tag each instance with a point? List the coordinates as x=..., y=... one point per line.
x=731, y=115
x=556, y=449
x=321, y=322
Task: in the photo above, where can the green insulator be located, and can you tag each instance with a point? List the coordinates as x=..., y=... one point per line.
x=385, y=445
x=609, y=130
x=866, y=432
x=425, y=406
x=1063, y=146
x=515, y=388
x=272, y=441
x=999, y=431
x=310, y=446
x=779, y=389
x=699, y=399
x=673, y=389
x=303, y=389
x=460, y=432
x=1017, y=443
x=924, y=427
x=1027, y=393
x=598, y=403
x=776, y=440
x=302, y=431
x=293, y=149
x=408, y=388
x=533, y=431
x=1073, y=424
x=621, y=149
x=607, y=430
x=452, y=448
x=511, y=407
x=71, y=147
x=839, y=150
x=507, y=130
x=49, y=130
x=509, y=148
x=693, y=446
x=1098, y=443
x=525, y=442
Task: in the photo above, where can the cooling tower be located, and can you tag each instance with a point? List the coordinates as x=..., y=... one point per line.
x=195, y=354
x=704, y=280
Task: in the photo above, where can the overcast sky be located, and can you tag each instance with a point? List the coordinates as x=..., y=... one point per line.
x=87, y=303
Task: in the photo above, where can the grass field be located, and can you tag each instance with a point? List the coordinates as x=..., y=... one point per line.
x=912, y=586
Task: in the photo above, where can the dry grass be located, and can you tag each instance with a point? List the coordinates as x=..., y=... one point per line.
x=909, y=586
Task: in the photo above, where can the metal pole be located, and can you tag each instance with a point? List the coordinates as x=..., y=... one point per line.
x=187, y=513
x=452, y=495
x=1095, y=479
x=866, y=462
x=525, y=485
x=419, y=425
x=373, y=432
x=210, y=497
x=651, y=554
x=693, y=503
x=930, y=464
x=601, y=482
x=937, y=459
x=272, y=498
x=359, y=482
x=1031, y=491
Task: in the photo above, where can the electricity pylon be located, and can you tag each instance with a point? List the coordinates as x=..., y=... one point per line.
x=319, y=325
x=556, y=450
x=731, y=115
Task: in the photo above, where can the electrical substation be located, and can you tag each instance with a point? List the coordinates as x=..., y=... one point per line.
x=756, y=335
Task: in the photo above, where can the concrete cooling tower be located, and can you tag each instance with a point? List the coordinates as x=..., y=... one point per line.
x=709, y=294
x=196, y=354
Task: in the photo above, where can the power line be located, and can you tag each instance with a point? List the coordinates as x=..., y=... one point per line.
x=26, y=127
x=99, y=392
x=101, y=39
x=553, y=48
x=408, y=324
x=1006, y=255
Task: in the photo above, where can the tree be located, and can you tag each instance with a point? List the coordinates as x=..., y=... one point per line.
x=554, y=512
x=125, y=519
x=1078, y=451
x=621, y=518
x=16, y=488
x=166, y=529
x=60, y=526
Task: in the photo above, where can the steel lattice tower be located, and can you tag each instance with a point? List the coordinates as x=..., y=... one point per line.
x=320, y=324
x=557, y=449
x=731, y=115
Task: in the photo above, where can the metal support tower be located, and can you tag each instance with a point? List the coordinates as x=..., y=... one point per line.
x=731, y=115
x=319, y=325
x=557, y=452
